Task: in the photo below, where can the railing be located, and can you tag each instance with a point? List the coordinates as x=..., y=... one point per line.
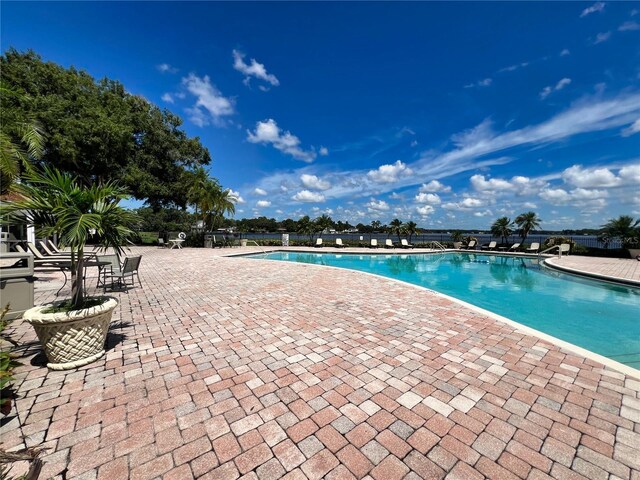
x=256, y=244
x=563, y=247
x=436, y=245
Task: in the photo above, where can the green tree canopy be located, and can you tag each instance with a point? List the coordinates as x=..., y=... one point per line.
x=98, y=131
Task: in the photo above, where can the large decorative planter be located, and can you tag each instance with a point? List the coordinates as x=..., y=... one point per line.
x=72, y=339
x=457, y=245
x=634, y=252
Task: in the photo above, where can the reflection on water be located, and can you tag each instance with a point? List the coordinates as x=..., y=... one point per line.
x=597, y=316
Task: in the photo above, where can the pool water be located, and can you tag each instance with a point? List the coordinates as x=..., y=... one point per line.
x=600, y=317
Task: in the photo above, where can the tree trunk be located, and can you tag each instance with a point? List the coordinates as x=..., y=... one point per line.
x=77, y=279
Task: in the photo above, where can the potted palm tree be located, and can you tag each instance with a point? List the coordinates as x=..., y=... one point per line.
x=627, y=230
x=457, y=238
x=73, y=331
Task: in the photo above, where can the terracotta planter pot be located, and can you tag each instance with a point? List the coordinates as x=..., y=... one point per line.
x=72, y=339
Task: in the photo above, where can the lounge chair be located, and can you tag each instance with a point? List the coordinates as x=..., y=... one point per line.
x=513, y=248
x=339, y=243
x=491, y=246
x=49, y=253
x=38, y=256
x=565, y=248
x=533, y=248
x=162, y=243
x=129, y=269
x=318, y=242
x=388, y=243
x=470, y=246
x=54, y=248
x=38, y=261
x=405, y=244
x=374, y=243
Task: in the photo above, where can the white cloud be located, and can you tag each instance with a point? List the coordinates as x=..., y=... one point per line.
x=593, y=200
x=166, y=68
x=324, y=151
x=466, y=204
x=313, y=182
x=167, y=97
x=631, y=129
x=259, y=191
x=485, y=82
x=389, y=173
x=236, y=195
x=565, y=52
x=514, y=67
x=474, y=149
x=254, y=69
x=377, y=206
x=396, y=196
x=590, y=178
x=630, y=175
x=268, y=132
x=596, y=7
x=602, y=37
x=529, y=205
x=480, y=184
x=307, y=196
x=425, y=210
x=629, y=26
x=209, y=100
x=546, y=91
x=434, y=186
x=263, y=203
x=431, y=198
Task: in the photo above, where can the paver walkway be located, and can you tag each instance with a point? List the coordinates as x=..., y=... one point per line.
x=614, y=268
x=229, y=367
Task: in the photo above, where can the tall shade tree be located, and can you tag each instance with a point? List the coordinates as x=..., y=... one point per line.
x=527, y=222
x=396, y=227
x=21, y=139
x=98, y=131
x=624, y=228
x=56, y=203
x=502, y=227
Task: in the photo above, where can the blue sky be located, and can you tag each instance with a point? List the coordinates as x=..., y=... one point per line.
x=449, y=114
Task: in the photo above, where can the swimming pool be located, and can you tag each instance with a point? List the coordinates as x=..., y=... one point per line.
x=600, y=317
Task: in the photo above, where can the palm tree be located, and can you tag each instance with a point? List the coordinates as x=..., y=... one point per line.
x=323, y=223
x=375, y=225
x=306, y=227
x=624, y=228
x=527, y=222
x=215, y=203
x=199, y=180
x=21, y=139
x=411, y=228
x=56, y=203
x=395, y=226
x=502, y=227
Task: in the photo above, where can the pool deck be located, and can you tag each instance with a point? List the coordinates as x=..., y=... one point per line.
x=222, y=367
x=616, y=269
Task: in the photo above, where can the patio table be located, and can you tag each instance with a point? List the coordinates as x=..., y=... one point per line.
x=176, y=243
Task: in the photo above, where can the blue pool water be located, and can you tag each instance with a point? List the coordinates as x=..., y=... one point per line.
x=600, y=317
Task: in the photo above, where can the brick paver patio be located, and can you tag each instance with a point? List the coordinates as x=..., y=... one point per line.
x=222, y=368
